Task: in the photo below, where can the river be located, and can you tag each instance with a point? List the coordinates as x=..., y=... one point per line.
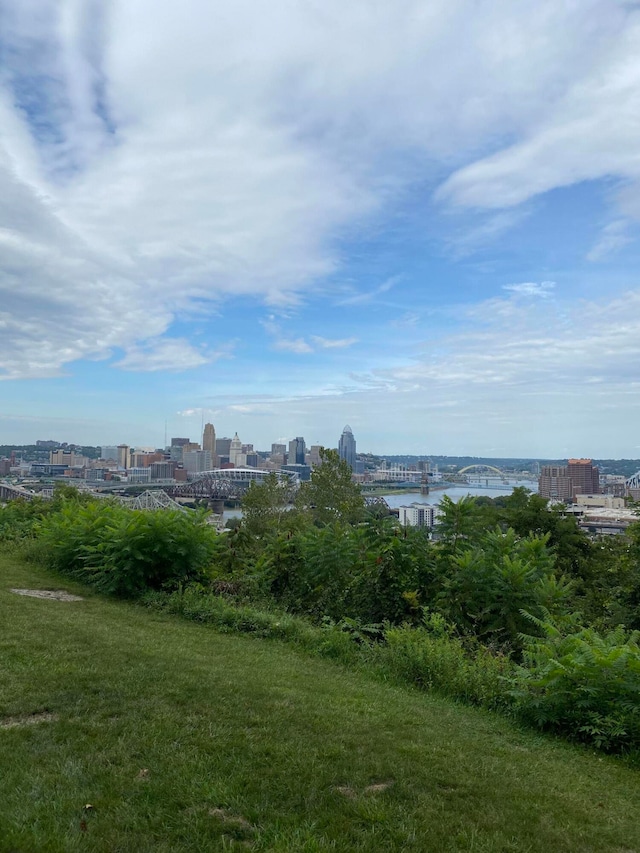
x=454, y=492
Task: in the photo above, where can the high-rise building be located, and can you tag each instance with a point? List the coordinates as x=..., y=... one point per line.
x=278, y=449
x=314, y=455
x=223, y=446
x=297, y=450
x=197, y=461
x=123, y=456
x=585, y=477
x=565, y=482
x=347, y=447
x=235, y=451
x=554, y=483
x=209, y=439
x=109, y=452
x=209, y=443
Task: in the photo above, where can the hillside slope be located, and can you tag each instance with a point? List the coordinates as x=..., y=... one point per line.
x=181, y=739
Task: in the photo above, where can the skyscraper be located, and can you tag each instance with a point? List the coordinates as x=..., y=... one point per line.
x=209, y=439
x=209, y=443
x=565, y=482
x=347, y=447
x=297, y=450
x=235, y=451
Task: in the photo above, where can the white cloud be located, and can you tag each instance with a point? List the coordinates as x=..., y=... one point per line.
x=613, y=236
x=541, y=290
x=297, y=345
x=589, y=130
x=153, y=155
x=333, y=343
x=171, y=354
x=369, y=296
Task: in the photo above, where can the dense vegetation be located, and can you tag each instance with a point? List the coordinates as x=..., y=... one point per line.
x=510, y=606
x=125, y=729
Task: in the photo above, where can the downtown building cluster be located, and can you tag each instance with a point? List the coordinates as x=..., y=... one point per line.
x=181, y=460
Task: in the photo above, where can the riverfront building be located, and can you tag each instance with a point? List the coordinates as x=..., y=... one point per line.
x=566, y=482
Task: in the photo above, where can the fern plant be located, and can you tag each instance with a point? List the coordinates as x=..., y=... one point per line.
x=581, y=683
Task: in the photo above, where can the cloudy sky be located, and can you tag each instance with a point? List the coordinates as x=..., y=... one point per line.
x=418, y=218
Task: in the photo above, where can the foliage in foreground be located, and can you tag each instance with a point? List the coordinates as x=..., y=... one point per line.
x=182, y=740
x=126, y=552
x=502, y=630
x=582, y=684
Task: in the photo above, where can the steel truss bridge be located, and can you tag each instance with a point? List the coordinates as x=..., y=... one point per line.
x=633, y=482
x=151, y=499
x=226, y=483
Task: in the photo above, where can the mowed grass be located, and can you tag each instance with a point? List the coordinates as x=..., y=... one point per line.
x=182, y=739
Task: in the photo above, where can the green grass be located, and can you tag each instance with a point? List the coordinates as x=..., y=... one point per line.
x=183, y=739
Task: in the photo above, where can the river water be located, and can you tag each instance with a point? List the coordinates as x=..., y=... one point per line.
x=454, y=492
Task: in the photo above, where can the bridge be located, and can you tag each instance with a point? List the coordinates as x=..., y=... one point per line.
x=633, y=482
x=375, y=500
x=479, y=468
x=226, y=484
x=12, y=493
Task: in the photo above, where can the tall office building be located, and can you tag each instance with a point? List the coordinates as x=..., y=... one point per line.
x=585, y=477
x=297, y=450
x=554, y=483
x=197, y=461
x=123, y=456
x=566, y=482
x=314, y=455
x=223, y=446
x=347, y=447
x=209, y=443
x=235, y=451
x=209, y=439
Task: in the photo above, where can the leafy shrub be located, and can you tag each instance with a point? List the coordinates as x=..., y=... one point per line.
x=432, y=658
x=485, y=588
x=124, y=552
x=584, y=685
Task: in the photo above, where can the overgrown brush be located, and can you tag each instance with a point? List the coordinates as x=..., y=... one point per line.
x=126, y=552
x=433, y=658
x=582, y=684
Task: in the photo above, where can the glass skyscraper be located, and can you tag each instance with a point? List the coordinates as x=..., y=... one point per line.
x=347, y=447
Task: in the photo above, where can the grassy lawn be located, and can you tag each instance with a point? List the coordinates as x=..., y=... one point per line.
x=182, y=739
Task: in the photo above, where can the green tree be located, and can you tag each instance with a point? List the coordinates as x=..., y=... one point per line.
x=330, y=495
x=265, y=506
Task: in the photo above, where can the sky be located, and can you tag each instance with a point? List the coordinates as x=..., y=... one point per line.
x=420, y=219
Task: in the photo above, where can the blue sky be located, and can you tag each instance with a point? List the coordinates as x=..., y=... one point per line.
x=418, y=219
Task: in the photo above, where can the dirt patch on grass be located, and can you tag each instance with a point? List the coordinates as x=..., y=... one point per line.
x=232, y=821
x=378, y=788
x=351, y=794
x=49, y=594
x=27, y=720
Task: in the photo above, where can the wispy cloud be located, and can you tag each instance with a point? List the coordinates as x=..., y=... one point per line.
x=167, y=354
x=539, y=290
x=370, y=295
x=613, y=237
x=333, y=343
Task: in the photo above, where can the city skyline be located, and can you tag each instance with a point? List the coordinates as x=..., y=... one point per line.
x=421, y=221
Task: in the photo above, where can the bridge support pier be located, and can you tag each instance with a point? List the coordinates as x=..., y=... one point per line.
x=217, y=505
